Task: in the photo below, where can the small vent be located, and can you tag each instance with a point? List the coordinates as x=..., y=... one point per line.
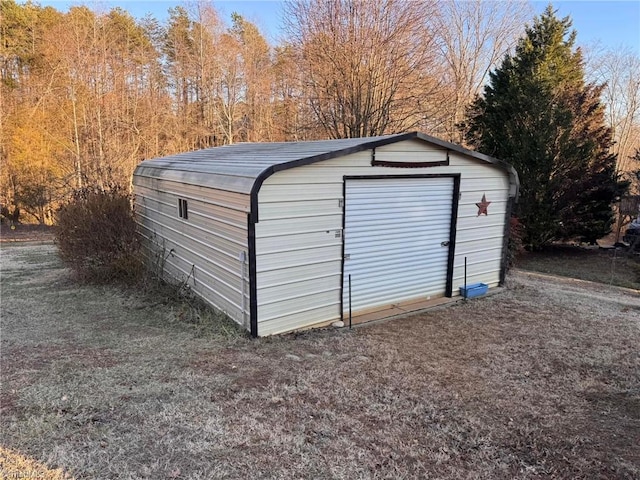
x=338, y=233
x=183, y=211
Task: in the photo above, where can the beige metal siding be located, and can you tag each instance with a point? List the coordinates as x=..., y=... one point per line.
x=479, y=238
x=410, y=151
x=299, y=249
x=204, y=250
x=299, y=233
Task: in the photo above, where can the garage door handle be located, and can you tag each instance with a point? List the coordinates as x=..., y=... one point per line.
x=444, y=244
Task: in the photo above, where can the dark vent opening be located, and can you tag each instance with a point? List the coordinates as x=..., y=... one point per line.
x=183, y=211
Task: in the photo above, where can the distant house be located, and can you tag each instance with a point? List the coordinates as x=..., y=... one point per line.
x=271, y=233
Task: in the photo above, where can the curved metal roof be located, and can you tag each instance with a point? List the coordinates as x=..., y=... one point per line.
x=242, y=167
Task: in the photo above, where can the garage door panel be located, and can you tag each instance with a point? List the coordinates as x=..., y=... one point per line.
x=390, y=201
x=374, y=229
x=397, y=241
x=365, y=207
x=391, y=216
x=404, y=260
x=397, y=233
x=391, y=282
x=400, y=259
x=400, y=295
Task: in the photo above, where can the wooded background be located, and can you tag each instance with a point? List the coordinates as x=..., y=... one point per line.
x=86, y=95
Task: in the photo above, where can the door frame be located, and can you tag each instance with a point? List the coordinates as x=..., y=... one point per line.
x=452, y=226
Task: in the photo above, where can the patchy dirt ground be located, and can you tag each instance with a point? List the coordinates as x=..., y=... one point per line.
x=541, y=381
x=609, y=266
x=26, y=233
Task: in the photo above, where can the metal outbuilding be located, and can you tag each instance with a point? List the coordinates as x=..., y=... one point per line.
x=271, y=233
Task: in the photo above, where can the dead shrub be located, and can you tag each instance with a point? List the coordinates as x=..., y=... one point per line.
x=96, y=235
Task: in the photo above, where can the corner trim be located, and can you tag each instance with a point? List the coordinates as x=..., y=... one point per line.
x=253, y=287
x=266, y=173
x=452, y=234
x=344, y=221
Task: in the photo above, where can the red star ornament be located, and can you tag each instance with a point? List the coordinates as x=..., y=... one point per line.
x=482, y=206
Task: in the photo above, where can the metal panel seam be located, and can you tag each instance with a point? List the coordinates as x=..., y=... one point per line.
x=296, y=312
x=190, y=197
x=193, y=213
x=298, y=249
x=231, y=240
x=204, y=284
x=207, y=259
x=293, y=297
x=294, y=265
x=292, y=282
x=206, y=245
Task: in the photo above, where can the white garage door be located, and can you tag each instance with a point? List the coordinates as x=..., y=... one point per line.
x=397, y=233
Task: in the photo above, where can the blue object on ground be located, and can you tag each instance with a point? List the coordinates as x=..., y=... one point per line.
x=474, y=290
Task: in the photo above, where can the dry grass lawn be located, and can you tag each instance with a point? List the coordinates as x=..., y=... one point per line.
x=16, y=465
x=540, y=381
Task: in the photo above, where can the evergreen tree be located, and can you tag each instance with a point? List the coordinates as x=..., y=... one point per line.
x=538, y=114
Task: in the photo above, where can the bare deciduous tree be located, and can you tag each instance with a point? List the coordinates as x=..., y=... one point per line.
x=230, y=87
x=619, y=71
x=86, y=94
x=368, y=66
x=291, y=114
x=472, y=36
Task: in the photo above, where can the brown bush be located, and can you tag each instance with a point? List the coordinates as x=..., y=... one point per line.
x=96, y=235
